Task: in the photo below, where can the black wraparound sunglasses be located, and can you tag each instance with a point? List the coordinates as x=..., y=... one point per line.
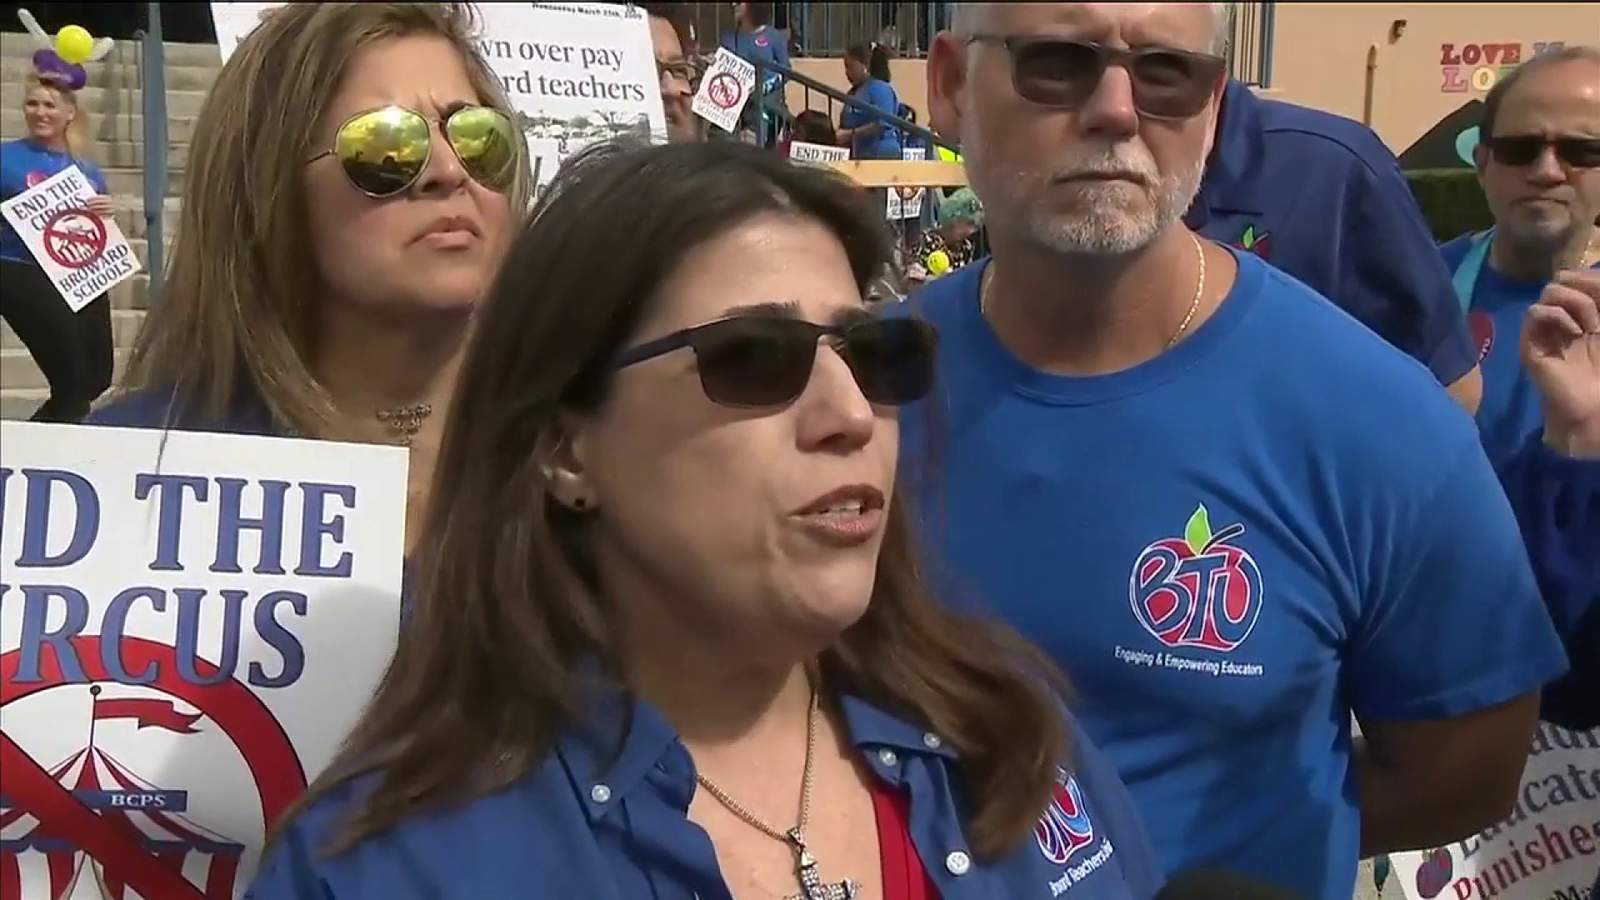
x=1523, y=149
x=766, y=360
x=1167, y=83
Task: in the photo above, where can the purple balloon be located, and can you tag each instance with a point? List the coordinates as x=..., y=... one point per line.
x=54, y=69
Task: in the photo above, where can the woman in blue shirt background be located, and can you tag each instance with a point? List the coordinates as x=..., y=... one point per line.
x=868, y=73
x=73, y=350
x=671, y=641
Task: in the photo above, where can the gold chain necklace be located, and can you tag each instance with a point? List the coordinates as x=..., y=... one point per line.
x=805, y=865
x=1188, y=318
x=405, y=421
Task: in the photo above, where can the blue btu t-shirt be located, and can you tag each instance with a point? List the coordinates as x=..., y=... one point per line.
x=24, y=164
x=1230, y=548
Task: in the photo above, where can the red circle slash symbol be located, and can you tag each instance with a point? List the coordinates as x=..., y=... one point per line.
x=724, y=90
x=74, y=238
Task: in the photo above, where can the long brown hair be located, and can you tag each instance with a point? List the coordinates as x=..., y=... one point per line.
x=487, y=674
x=237, y=307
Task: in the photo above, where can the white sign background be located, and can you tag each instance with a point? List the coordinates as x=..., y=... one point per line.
x=909, y=206
x=804, y=151
x=347, y=633
x=30, y=211
x=1550, y=847
x=578, y=73
x=726, y=68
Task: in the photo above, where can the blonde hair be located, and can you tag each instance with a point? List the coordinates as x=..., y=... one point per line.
x=77, y=133
x=236, y=312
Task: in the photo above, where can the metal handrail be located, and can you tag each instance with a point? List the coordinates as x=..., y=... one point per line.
x=153, y=91
x=832, y=93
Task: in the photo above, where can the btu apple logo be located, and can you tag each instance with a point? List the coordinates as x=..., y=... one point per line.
x=1198, y=590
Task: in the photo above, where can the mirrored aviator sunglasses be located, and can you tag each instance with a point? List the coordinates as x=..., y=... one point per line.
x=1167, y=83
x=766, y=361
x=384, y=151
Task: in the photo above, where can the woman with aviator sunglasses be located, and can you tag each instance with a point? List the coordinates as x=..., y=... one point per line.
x=340, y=223
x=671, y=641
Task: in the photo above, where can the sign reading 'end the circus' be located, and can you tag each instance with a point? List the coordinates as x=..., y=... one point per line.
x=189, y=626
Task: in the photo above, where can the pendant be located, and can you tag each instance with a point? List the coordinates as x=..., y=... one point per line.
x=811, y=885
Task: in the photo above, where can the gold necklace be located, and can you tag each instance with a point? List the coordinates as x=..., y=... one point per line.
x=805, y=865
x=1188, y=318
x=405, y=421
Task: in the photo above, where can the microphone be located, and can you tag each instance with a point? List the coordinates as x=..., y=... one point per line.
x=1215, y=884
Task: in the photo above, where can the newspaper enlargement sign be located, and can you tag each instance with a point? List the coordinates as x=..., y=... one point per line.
x=906, y=202
x=189, y=626
x=575, y=73
x=84, y=254
x=1549, y=848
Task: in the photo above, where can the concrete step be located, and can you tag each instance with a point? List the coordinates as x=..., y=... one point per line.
x=124, y=73
x=130, y=154
x=101, y=100
x=18, y=372
x=130, y=218
x=16, y=45
x=19, y=403
x=126, y=182
x=124, y=328
x=124, y=127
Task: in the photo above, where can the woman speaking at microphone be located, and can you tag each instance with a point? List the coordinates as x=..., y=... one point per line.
x=670, y=640
x=353, y=184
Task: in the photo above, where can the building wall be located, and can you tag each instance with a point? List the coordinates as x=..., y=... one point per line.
x=1445, y=55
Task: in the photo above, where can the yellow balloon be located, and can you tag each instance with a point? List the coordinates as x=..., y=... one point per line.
x=74, y=44
x=938, y=262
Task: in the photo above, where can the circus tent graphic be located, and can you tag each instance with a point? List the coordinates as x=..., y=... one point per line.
x=152, y=817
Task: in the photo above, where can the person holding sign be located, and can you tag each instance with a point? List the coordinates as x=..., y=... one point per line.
x=339, y=228
x=671, y=640
x=73, y=350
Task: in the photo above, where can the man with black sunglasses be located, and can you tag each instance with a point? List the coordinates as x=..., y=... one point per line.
x=1233, y=514
x=1536, y=274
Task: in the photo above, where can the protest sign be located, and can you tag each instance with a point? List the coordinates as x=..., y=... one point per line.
x=575, y=73
x=806, y=152
x=83, y=254
x=906, y=202
x=235, y=20
x=189, y=625
x=1549, y=848
x=724, y=89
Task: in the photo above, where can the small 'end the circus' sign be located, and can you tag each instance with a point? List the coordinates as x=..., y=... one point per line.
x=189, y=625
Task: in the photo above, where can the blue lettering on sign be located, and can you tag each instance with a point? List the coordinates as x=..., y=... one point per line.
x=166, y=801
x=111, y=633
x=36, y=518
x=231, y=520
x=313, y=526
x=279, y=638
x=169, y=521
x=36, y=637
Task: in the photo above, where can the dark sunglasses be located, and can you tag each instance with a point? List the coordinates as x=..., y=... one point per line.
x=1523, y=149
x=384, y=151
x=1167, y=83
x=756, y=361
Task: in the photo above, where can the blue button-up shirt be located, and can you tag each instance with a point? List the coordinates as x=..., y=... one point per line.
x=1320, y=197
x=591, y=823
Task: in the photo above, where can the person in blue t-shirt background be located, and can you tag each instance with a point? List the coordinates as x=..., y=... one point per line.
x=1531, y=289
x=753, y=39
x=1320, y=197
x=867, y=69
x=1155, y=456
x=73, y=350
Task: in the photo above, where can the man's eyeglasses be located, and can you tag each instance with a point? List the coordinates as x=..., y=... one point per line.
x=1523, y=149
x=1167, y=83
x=682, y=69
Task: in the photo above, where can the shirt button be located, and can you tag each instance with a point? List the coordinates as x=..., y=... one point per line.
x=958, y=862
x=932, y=741
x=888, y=757
x=600, y=793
